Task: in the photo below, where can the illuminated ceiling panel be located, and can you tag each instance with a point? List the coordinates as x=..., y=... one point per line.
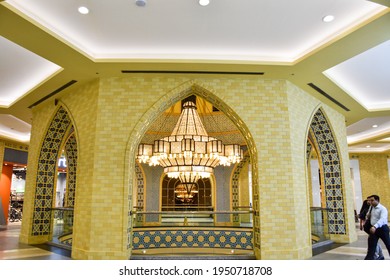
x=366, y=77
x=21, y=71
x=273, y=31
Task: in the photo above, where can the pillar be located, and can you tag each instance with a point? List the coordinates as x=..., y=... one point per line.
x=5, y=187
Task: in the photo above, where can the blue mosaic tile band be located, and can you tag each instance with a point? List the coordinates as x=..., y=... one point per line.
x=331, y=171
x=193, y=239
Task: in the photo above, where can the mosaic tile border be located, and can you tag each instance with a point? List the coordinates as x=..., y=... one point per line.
x=331, y=172
x=15, y=145
x=140, y=191
x=148, y=239
x=71, y=159
x=47, y=164
x=235, y=187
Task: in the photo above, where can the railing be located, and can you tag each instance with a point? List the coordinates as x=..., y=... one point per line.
x=192, y=218
x=63, y=221
x=319, y=224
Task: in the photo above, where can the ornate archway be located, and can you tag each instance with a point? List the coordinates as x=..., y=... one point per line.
x=330, y=163
x=169, y=99
x=57, y=132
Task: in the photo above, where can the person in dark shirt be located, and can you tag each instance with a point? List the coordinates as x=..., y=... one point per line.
x=362, y=219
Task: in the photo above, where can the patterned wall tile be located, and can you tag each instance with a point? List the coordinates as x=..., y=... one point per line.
x=71, y=159
x=331, y=166
x=47, y=164
x=193, y=238
x=235, y=187
x=140, y=192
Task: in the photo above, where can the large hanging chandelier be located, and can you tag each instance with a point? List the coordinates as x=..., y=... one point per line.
x=186, y=192
x=189, y=153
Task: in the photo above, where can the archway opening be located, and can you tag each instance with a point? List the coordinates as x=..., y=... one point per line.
x=162, y=194
x=48, y=209
x=325, y=181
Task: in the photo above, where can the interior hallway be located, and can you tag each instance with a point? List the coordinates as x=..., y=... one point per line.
x=11, y=249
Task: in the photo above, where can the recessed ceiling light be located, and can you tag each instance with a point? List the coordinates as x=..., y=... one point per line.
x=375, y=125
x=140, y=3
x=204, y=2
x=368, y=146
x=83, y=10
x=328, y=18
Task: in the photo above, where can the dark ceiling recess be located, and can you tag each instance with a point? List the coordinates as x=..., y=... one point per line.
x=328, y=96
x=53, y=93
x=189, y=72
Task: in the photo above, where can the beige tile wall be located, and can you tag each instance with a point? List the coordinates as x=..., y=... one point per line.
x=374, y=177
x=110, y=116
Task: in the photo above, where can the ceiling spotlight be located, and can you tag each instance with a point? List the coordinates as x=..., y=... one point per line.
x=375, y=125
x=83, y=10
x=140, y=3
x=368, y=146
x=328, y=18
x=204, y=2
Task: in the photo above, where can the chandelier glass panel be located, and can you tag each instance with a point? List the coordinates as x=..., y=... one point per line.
x=189, y=153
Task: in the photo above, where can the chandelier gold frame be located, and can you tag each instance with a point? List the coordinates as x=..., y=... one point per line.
x=189, y=153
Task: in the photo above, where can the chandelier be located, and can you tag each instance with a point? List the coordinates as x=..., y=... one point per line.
x=186, y=192
x=189, y=153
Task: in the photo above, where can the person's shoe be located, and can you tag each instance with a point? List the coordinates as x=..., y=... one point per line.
x=381, y=258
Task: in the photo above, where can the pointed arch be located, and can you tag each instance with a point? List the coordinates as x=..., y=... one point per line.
x=188, y=88
x=325, y=143
x=52, y=142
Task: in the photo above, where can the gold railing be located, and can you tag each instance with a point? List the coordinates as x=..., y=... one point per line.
x=192, y=218
x=319, y=224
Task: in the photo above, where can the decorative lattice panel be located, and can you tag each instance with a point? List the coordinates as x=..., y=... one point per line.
x=47, y=164
x=235, y=188
x=140, y=191
x=331, y=172
x=308, y=150
x=71, y=159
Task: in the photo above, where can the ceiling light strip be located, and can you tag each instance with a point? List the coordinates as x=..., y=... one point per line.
x=53, y=93
x=188, y=72
x=328, y=96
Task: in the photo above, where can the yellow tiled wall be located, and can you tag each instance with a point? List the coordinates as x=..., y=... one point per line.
x=110, y=116
x=374, y=177
x=301, y=107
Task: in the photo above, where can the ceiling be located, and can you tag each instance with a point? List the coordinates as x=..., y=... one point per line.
x=47, y=44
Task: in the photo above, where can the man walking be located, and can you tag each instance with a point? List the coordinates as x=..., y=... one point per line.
x=379, y=229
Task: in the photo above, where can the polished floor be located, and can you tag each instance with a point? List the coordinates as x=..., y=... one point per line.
x=11, y=249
